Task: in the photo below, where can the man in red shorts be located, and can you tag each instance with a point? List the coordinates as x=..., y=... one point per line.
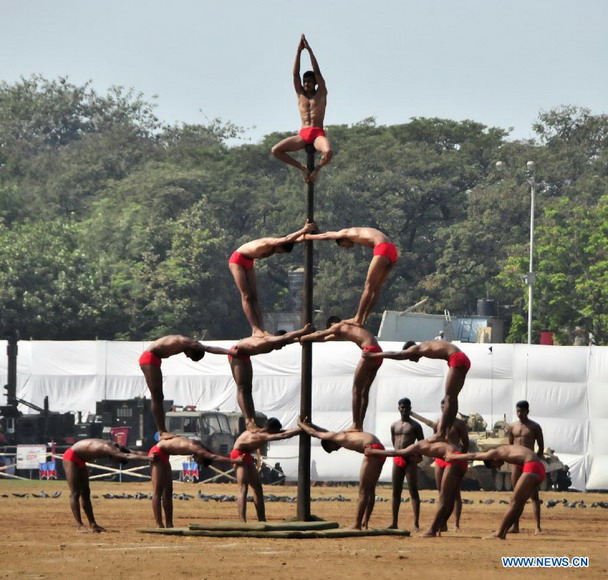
x=533, y=474
x=458, y=363
x=75, y=466
x=241, y=264
x=366, y=370
x=150, y=362
x=242, y=369
x=312, y=102
x=162, y=477
x=246, y=473
x=526, y=432
x=404, y=432
x=450, y=483
x=371, y=466
x=458, y=435
x=384, y=258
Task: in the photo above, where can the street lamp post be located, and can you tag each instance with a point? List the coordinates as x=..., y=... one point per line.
x=530, y=277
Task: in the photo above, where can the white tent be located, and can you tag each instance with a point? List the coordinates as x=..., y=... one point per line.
x=566, y=387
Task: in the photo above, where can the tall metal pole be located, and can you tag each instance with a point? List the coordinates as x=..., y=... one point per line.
x=531, y=275
x=306, y=373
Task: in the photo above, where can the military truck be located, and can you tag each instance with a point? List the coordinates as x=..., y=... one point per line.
x=211, y=428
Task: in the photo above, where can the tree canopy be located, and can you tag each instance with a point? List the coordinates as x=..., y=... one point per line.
x=117, y=226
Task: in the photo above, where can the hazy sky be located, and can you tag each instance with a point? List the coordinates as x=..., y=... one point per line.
x=499, y=62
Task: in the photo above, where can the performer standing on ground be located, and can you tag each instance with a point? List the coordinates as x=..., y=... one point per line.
x=455, y=469
x=241, y=267
x=533, y=474
x=371, y=467
x=384, y=258
x=458, y=362
x=162, y=478
x=404, y=432
x=246, y=473
x=242, y=370
x=150, y=362
x=526, y=432
x=458, y=435
x=366, y=370
x=312, y=102
x=75, y=466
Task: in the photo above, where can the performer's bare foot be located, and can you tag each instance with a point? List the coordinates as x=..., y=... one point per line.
x=353, y=429
x=494, y=537
x=259, y=333
x=305, y=174
x=165, y=435
x=251, y=426
x=538, y=532
x=353, y=321
x=457, y=529
x=313, y=174
x=416, y=527
x=444, y=528
x=83, y=529
x=429, y=534
x=514, y=529
x=436, y=438
x=393, y=527
x=97, y=529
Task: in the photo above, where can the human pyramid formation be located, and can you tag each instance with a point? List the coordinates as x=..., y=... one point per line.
x=443, y=446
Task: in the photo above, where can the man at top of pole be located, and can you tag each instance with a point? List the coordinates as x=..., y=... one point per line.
x=312, y=102
x=384, y=258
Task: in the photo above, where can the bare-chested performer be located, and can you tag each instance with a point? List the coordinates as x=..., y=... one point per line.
x=162, y=479
x=455, y=470
x=242, y=370
x=526, y=432
x=150, y=362
x=458, y=435
x=404, y=432
x=241, y=264
x=458, y=362
x=312, y=102
x=366, y=370
x=246, y=473
x=371, y=467
x=75, y=466
x=384, y=258
x=533, y=474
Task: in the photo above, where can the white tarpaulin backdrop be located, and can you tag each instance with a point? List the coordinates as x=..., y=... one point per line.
x=567, y=388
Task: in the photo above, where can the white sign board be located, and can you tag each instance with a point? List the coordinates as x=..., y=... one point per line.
x=30, y=456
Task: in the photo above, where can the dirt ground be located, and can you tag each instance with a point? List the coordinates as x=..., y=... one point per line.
x=39, y=538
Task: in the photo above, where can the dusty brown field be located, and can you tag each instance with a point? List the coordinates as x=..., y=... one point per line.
x=39, y=538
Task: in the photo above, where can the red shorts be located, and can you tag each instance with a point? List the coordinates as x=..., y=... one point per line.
x=71, y=455
x=387, y=250
x=441, y=462
x=244, y=357
x=537, y=468
x=459, y=359
x=400, y=461
x=247, y=457
x=373, y=348
x=149, y=358
x=378, y=446
x=162, y=455
x=309, y=134
x=241, y=260
x=462, y=464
